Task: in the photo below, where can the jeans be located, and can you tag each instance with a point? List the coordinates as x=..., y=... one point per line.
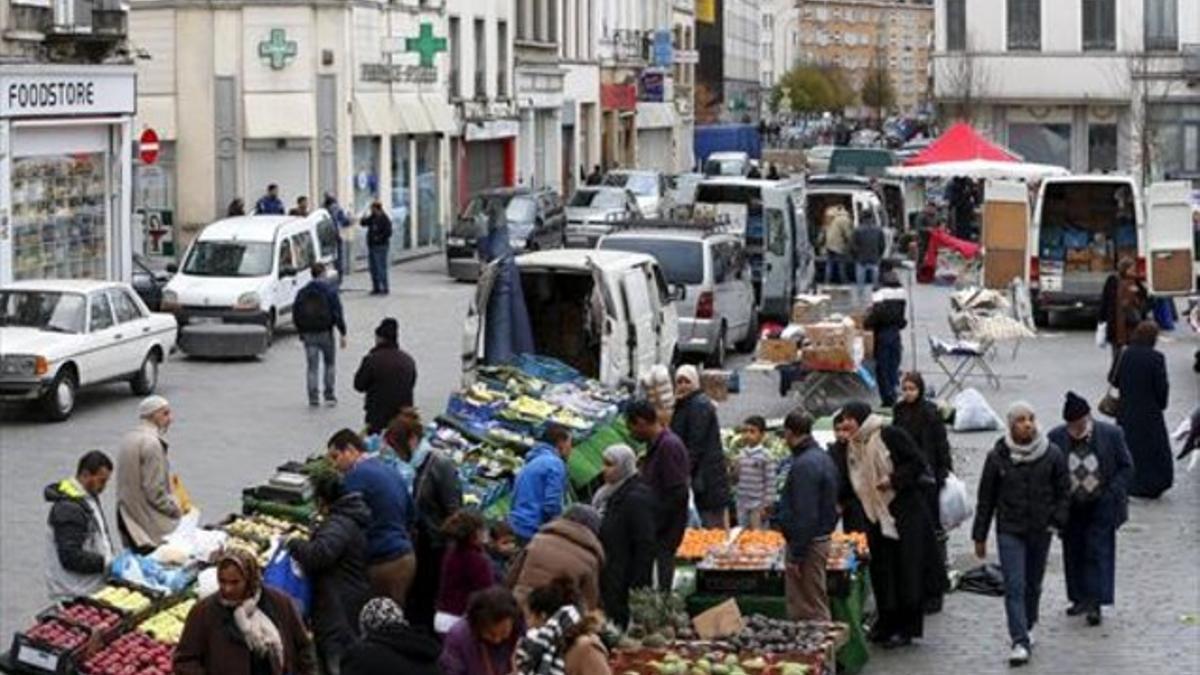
x=1023, y=561
x=318, y=346
x=835, y=268
x=343, y=259
x=863, y=272
x=889, y=351
x=377, y=259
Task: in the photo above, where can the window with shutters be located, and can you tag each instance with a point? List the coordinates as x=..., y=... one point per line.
x=1162, y=25
x=1099, y=25
x=1025, y=25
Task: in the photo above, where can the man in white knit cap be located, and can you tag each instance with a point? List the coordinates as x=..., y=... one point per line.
x=147, y=510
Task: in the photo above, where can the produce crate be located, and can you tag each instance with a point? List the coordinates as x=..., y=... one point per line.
x=156, y=596
x=753, y=582
x=67, y=611
x=34, y=654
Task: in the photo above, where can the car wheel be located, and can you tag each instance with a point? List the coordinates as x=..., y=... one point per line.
x=1041, y=318
x=59, y=401
x=716, y=359
x=146, y=380
x=748, y=343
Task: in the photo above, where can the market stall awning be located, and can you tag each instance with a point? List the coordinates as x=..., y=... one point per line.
x=409, y=115
x=441, y=115
x=270, y=116
x=961, y=143
x=980, y=169
x=371, y=111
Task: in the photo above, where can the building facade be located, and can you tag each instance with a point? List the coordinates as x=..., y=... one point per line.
x=1091, y=85
x=579, y=55
x=348, y=99
x=728, y=77
x=67, y=100
x=540, y=84
x=684, y=82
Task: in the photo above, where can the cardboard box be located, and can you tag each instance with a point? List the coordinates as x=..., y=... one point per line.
x=808, y=309
x=777, y=350
x=715, y=383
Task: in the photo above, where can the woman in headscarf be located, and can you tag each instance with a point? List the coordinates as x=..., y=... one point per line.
x=1026, y=486
x=1123, y=305
x=562, y=639
x=245, y=628
x=626, y=532
x=389, y=645
x=1142, y=379
x=695, y=423
x=892, y=481
x=920, y=418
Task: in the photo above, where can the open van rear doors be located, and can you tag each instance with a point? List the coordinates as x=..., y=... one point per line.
x=1005, y=233
x=473, y=327
x=1170, y=245
x=779, y=253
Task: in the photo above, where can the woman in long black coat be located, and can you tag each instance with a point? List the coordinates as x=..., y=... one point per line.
x=626, y=531
x=906, y=566
x=1142, y=379
x=695, y=422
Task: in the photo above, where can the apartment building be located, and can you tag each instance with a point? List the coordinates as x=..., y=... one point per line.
x=730, y=46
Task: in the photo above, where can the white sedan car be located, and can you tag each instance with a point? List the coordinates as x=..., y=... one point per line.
x=59, y=335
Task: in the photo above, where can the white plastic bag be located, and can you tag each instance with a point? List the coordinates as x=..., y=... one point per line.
x=1102, y=335
x=954, y=504
x=972, y=412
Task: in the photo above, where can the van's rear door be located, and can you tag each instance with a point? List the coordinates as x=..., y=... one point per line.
x=1005, y=233
x=641, y=315
x=1170, y=245
x=614, y=349
x=475, y=325
x=777, y=291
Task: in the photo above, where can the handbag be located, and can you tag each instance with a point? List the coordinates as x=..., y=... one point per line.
x=284, y=574
x=1110, y=403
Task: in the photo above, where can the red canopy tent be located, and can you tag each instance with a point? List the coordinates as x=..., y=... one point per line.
x=961, y=143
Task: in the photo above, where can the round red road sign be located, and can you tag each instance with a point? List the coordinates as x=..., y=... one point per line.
x=148, y=147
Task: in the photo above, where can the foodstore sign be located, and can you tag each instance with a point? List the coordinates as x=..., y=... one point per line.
x=66, y=93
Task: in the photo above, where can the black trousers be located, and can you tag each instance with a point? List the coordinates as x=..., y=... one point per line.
x=422, y=596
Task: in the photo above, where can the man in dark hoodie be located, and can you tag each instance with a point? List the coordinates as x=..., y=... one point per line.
x=887, y=319
x=389, y=646
x=78, y=546
x=335, y=559
x=386, y=377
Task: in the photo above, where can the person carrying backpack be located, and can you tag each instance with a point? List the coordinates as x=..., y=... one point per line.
x=317, y=311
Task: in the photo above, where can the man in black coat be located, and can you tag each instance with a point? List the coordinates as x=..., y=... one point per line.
x=379, y=238
x=80, y=545
x=1100, y=469
x=386, y=377
x=695, y=422
x=389, y=645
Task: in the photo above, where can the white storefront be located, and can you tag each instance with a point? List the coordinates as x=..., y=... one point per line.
x=65, y=171
x=656, y=122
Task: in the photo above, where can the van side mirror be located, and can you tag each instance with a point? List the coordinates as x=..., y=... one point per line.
x=678, y=293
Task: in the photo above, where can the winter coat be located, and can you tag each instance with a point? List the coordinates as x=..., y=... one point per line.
x=145, y=503
x=329, y=294
x=464, y=654
x=839, y=229
x=1116, y=467
x=1122, y=309
x=808, y=502
x=924, y=424
x=212, y=644
x=465, y=570
x=887, y=312
x=695, y=422
x=391, y=653
x=392, y=513
x=386, y=377
x=629, y=545
x=868, y=243
x=854, y=519
x=437, y=495
x=379, y=229
x=1026, y=498
x=78, y=543
x=1142, y=379
x=538, y=492
x=562, y=547
x=335, y=560
x=587, y=656
x=665, y=469
x=268, y=206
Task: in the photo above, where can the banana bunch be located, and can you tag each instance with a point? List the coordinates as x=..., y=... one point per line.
x=124, y=599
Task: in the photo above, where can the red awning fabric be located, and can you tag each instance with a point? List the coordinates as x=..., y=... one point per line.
x=938, y=239
x=961, y=143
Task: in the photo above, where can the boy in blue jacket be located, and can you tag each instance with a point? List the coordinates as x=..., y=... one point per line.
x=538, y=493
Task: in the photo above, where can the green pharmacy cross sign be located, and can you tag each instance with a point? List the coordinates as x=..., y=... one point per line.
x=278, y=49
x=426, y=45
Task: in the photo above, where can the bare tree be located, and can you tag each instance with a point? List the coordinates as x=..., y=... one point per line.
x=965, y=81
x=1149, y=80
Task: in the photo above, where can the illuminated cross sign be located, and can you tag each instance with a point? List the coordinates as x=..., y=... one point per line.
x=278, y=49
x=426, y=45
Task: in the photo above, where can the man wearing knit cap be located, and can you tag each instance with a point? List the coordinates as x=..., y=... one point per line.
x=386, y=377
x=147, y=510
x=1100, y=468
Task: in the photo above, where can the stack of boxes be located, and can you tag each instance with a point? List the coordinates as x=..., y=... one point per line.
x=830, y=342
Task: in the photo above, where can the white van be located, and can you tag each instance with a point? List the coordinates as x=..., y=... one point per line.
x=608, y=314
x=239, y=278
x=1083, y=225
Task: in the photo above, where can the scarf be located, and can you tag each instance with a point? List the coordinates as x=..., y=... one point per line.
x=543, y=650
x=870, y=463
x=625, y=462
x=1028, y=452
x=261, y=635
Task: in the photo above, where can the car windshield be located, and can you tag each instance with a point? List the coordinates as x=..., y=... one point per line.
x=521, y=210
x=229, y=259
x=598, y=199
x=682, y=262
x=724, y=167
x=57, y=312
x=640, y=184
x=750, y=195
x=479, y=205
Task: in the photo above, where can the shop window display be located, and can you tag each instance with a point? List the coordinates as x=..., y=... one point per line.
x=58, y=216
x=429, y=229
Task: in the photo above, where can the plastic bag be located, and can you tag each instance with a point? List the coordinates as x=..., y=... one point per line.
x=285, y=574
x=1102, y=334
x=972, y=412
x=954, y=505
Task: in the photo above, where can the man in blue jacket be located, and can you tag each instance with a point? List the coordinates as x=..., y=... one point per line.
x=316, y=312
x=1099, y=466
x=538, y=492
x=391, y=563
x=807, y=516
x=269, y=204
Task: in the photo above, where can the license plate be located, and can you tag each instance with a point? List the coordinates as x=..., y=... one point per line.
x=1052, y=283
x=195, y=320
x=456, y=241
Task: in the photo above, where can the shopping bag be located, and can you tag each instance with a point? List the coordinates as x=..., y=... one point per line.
x=182, y=496
x=285, y=574
x=1102, y=334
x=1110, y=403
x=972, y=412
x=954, y=504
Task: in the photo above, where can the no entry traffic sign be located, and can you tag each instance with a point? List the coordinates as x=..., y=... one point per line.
x=148, y=147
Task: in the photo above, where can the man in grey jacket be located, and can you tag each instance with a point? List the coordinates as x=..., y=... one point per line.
x=147, y=510
x=867, y=245
x=78, y=544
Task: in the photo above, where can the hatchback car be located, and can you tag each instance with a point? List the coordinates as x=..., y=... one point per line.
x=536, y=222
x=717, y=307
x=592, y=210
x=649, y=188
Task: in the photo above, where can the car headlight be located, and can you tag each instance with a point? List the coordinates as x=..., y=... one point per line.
x=24, y=365
x=517, y=243
x=169, y=302
x=248, y=300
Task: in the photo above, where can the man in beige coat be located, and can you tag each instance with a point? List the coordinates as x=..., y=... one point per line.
x=147, y=510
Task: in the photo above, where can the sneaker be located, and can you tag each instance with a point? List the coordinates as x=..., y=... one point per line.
x=330, y=402
x=1077, y=609
x=1031, y=638
x=313, y=403
x=1019, y=656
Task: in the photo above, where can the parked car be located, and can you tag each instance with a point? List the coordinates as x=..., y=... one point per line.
x=149, y=282
x=727, y=164
x=591, y=210
x=608, y=314
x=59, y=335
x=649, y=188
x=717, y=308
x=536, y=221
x=240, y=277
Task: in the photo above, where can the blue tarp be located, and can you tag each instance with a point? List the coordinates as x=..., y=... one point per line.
x=508, y=331
x=727, y=138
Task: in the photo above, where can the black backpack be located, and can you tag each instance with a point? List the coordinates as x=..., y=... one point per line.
x=312, y=313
